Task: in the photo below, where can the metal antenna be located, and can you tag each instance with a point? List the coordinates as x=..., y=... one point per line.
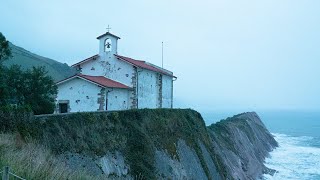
x=162, y=55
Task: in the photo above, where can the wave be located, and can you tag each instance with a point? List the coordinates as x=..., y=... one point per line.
x=295, y=158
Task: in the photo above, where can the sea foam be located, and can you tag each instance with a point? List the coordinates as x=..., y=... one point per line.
x=295, y=158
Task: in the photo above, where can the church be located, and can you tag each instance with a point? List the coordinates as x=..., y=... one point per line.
x=108, y=81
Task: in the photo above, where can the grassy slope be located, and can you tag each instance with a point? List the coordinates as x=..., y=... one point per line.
x=27, y=60
x=33, y=161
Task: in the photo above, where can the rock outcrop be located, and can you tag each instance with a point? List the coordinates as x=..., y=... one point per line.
x=242, y=143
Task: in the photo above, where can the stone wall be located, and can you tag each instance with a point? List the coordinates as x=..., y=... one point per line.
x=102, y=99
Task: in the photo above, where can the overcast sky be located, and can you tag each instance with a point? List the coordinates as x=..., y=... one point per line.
x=228, y=55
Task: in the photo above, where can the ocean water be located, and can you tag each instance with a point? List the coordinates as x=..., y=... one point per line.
x=296, y=158
x=298, y=135
x=298, y=154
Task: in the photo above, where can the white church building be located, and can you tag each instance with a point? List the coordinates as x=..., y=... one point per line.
x=109, y=81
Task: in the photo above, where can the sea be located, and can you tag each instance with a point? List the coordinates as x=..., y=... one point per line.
x=298, y=135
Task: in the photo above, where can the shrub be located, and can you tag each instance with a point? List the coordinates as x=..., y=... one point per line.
x=14, y=118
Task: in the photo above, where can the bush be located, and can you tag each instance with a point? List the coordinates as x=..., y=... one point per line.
x=14, y=118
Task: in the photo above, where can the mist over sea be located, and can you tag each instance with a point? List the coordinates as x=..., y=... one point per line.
x=298, y=135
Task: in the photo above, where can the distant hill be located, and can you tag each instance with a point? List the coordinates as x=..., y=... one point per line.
x=27, y=60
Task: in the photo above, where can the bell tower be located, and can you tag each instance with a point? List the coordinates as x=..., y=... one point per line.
x=108, y=43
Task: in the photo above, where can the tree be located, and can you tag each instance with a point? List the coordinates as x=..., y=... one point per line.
x=15, y=82
x=39, y=91
x=32, y=87
x=3, y=86
x=5, y=51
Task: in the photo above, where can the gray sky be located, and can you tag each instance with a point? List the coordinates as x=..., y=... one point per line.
x=228, y=55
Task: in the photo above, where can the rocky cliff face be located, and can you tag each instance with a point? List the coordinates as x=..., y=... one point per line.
x=242, y=143
x=156, y=144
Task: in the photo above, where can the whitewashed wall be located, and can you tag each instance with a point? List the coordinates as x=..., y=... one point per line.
x=118, y=99
x=82, y=95
x=147, y=89
x=166, y=91
x=108, y=66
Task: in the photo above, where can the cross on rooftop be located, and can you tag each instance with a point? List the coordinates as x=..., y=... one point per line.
x=108, y=28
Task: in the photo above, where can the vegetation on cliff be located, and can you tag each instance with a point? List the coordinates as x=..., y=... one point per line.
x=242, y=142
x=32, y=160
x=136, y=134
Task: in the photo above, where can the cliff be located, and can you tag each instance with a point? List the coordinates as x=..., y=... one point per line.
x=242, y=143
x=145, y=144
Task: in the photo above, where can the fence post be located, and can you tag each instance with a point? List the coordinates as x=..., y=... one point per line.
x=5, y=173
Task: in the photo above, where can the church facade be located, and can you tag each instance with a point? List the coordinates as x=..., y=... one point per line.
x=109, y=81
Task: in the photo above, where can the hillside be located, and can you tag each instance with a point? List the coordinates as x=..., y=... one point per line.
x=28, y=59
x=141, y=144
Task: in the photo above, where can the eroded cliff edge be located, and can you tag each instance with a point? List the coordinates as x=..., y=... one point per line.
x=153, y=144
x=241, y=144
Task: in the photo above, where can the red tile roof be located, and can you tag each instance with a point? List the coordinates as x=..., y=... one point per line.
x=100, y=80
x=144, y=65
x=86, y=60
x=137, y=63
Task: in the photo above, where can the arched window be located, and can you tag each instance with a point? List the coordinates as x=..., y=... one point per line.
x=107, y=45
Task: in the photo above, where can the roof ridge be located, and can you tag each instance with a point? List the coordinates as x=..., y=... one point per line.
x=129, y=58
x=108, y=33
x=87, y=59
x=102, y=77
x=102, y=81
x=146, y=65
